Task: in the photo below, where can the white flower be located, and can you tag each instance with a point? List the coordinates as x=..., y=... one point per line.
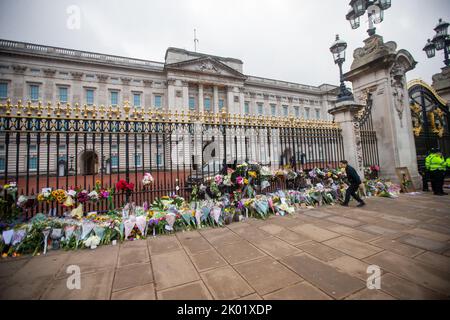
x=93, y=195
x=71, y=193
x=92, y=241
x=147, y=179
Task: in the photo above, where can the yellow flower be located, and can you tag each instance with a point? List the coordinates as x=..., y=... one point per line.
x=245, y=181
x=6, y=186
x=252, y=174
x=98, y=182
x=40, y=197
x=329, y=174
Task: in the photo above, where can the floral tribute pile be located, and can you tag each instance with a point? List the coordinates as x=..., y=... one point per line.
x=237, y=195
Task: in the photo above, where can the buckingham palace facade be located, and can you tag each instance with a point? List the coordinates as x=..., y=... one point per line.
x=185, y=81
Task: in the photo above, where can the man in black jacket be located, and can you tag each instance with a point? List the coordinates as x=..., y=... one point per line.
x=354, y=180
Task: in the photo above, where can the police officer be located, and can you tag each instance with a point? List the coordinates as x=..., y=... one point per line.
x=425, y=172
x=436, y=164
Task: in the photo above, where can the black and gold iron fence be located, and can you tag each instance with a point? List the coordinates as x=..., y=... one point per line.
x=63, y=146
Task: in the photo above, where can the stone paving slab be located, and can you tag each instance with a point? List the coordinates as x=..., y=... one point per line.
x=226, y=283
x=413, y=270
x=314, y=233
x=132, y=276
x=191, y=291
x=353, y=247
x=146, y=292
x=397, y=247
x=94, y=286
x=172, y=269
x=424, y=243
x=334, y=283
x=407, y=290
x=266, y=275
x=276, y=247
x=320, y=253
x=301, y=291
x=239, y=252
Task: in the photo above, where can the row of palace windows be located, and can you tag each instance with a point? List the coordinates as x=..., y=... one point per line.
x=206, y=103
x=285, y=109
x=63, y=95
x=33, y=158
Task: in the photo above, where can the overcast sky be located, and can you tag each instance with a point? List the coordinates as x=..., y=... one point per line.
x=280, y=39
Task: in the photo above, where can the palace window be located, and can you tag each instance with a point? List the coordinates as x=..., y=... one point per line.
x=207, y=104
x=137, y=100
x=32, y=159
x=62, y=153
x=297, y=111
x=221, y=104
x=246, y=108
x=273, y=109
x=114, y=98
x=192, y=103
x=260, y=108
x=306, y=113
x=285, y=111
x=63, y=94
x=114, y=156
x=89, y=96
x=34, y=92
x=159, y=156
x=158, y=101
x=3, y=90
x=317, y=114
x=138, y=156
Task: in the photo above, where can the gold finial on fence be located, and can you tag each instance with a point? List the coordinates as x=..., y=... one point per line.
x=94, y=111
x=58, y=109
x=8, y=106
x=68, y=110
x=19, y=107
x=85, y=110
x=102, y=111
x=29, y=108
x=126, y=108
x=77, y=110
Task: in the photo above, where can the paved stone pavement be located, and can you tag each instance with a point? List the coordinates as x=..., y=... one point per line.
x=319, y=253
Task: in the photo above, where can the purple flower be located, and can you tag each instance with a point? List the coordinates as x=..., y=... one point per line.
x=153, y=222
x=104, y=194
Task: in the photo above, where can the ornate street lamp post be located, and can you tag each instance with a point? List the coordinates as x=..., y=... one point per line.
x=441, y=41
x=375, y=12
x=338, y=51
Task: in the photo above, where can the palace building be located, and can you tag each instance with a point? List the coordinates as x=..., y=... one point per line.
x=186, y=81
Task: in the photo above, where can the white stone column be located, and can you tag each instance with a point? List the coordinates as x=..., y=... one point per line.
x=381, y=69
x=170, y=94
x=215, y=99
x=241, y=101
x=344, y=114
x=200, y=97
x=185, y=96
x=230, y=100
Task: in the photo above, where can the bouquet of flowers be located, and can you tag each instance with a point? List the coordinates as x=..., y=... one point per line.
x=123, y=185
x=147, y=179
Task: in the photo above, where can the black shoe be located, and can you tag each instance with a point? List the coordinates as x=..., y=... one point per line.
x=344, y=204
x=444, y=193
x=361, y=204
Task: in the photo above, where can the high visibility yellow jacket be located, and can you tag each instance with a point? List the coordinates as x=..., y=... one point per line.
x=428, y=160
x=447, y=162
x=435, y=162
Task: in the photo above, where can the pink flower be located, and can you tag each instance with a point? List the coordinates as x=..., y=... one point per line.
x=218, y=179
x=240, y=180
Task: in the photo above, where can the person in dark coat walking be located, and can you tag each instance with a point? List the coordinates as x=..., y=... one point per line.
x=354, y=180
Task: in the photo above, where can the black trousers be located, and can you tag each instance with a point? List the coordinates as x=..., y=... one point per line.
x=437, y=181
x=425, y=179
x=351, y=192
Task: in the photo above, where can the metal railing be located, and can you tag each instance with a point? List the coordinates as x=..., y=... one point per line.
x=65, y=146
